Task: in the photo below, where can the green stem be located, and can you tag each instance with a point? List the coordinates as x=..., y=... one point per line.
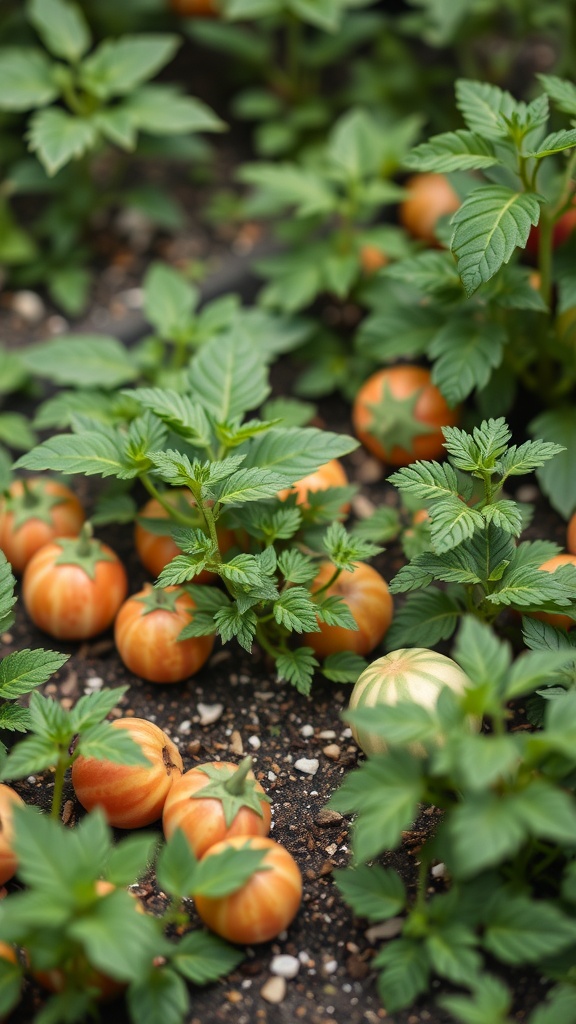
x=236, y=784
x=60, y=772
x=329, y=582
x=174, y=513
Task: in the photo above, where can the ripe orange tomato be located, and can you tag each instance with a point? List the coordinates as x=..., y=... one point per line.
x=195, y=8
x=8, y=860
x=571, y=535
x=430, y=196
x=131, y=796
x=72, y=588
x=34, y=512
x=556, y=619
x=146, y=634
x=368, y=598
x=330, y=474
x=265, y=905
x=398, y=414
x=216, y=801
x=156, y=550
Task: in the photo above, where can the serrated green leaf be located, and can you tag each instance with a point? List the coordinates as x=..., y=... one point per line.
x=80, y=360
x=527, y=457
x=58, y=137
x=561, y=91
x=452, y=151
x=521, y=930
x=465, y=355
x=556, y=142
x=297, y=668
x=227, y=377
x=230, y=622
x=344, y=667
x=296, y=611
x=104, y=743
x=7, y=595
x=224, y=872
x=558, y=477
x=424, y=620
x=452, y=521
x=161, y=996
x=91, y=453
x=375, y=893
x=169, y=300
x=481, y=654
x=23, y=670
x=176, y=866
x=164, y=110
x=31, y=754
x=489, y=225
x=201, y=957
x=485, y=108
x=297, y=451
x=504, y=515
x=250, y=485
x=489, y=1004
x=406, y=972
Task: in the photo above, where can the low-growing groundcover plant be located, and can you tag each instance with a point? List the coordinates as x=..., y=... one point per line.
x=488, y=326
x=474, y=563
x=504, y=845
x=198, y=438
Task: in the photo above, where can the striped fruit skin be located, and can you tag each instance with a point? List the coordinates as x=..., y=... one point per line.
x=413, y=673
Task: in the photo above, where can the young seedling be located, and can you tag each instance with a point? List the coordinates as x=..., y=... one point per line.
x=86, y=937
x=488, y=325
x=504, y=843
x=234, y=466
x=58, y=736
x=474, y=531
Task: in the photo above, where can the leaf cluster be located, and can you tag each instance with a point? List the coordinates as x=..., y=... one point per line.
x=475, y=563
x=506, y=837
x=68, y=926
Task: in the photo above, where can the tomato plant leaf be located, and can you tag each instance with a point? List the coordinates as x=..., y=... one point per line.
x=297, y=451
x=227, y=377
x=427, y=481
x=297, y=668
x=556, y=142
x=23, y=670
x=460, y=150
x=296, y=567
x=92, y=708
x=296, y=611
x=169, y=300
x=129, y=860
x=489, y=1003
x=561, y=91
x=230, y=622
x=405, y=975
x=523, y=930
x=424, y=619
x=228, y=870
x=93, y=453
x=117, y=66
x=452, y=953
x=117, y=940
x=7, y=595
x=489, y=225
x=484, y=657
x=58, y=137
x=334, y=611
x=164, y=110
x=250, y=485
x=344, y=667
x=31, y=754
x=62, y=27
x=384, y=794
x=176, y=866
x=160, y=996
x=201, y=957
x=81, y=360
x=286, y=185
x=452, y=521
x=10, y=985
x=180, y=412
x=504, y=515
x=558, y=1007
x=375, y=893
x=26, y=80
x=486, y=108
x=105, y=743
x=558, y=478
x=534, y=669
x=465, y=355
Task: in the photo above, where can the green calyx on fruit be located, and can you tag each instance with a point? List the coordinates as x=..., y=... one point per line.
x=394, y=421
x=84, y=551
x=155, y=598
x=32, y=503
x=233, y=788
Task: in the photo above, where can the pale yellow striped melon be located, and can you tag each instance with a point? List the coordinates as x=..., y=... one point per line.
x=412, y=673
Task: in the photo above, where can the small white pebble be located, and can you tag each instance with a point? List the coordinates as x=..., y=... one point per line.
x=385, y=930
x=94, y=683
x=438, y=870
x=285, y=966
x=272, y=776
x=330, y=967
x=185, y=726
x=255, y=742
x=31, y=779
x=210, y=713
x=332, y=751
x=306, y=731
x=347, y=733
x=308, y=765
x=304, y=957
x=29, y=306
x=327, y=734
x=274, y=990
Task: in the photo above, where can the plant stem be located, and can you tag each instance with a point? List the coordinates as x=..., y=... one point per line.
x=60, y=772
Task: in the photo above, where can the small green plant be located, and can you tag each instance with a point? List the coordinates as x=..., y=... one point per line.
x=474, y=530
x=335, y=194
x=504, y=843
x=199, y=438
x=20, y=671
x=487, y=327
x=82, y=930
x=85, y=99
x=58, y=736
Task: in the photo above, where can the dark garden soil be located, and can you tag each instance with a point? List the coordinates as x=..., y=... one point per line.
x=235, y=705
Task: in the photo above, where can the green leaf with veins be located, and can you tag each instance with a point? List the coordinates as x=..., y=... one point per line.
x=297, y=667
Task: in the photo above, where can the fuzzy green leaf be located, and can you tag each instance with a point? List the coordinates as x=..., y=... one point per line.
x=521, y=930
x=105, y=743
x=164, y=110
x=489, y=1004
x=231, y=623
x=504, y=515
x=489, y=225
x=91, y=453
x=426, y=481
x=406, y=972
x=556, y=142
x=161, y=996
x=451, y=522
x=228, y=378
x=561, y=91
x=32, y=754
x=486, y=108
x=225, y=872
x=344, y=667
x=176, y=866
x=169, y=300
x=481, y=654
x=452, y=151
x=201, y=957
x=296, y=611
x=250, y=485
x=297, y=451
